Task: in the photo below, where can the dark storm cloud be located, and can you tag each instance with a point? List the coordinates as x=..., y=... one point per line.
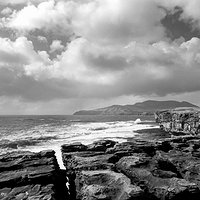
x=177, y=27
x=32, y=90
x=106, y=63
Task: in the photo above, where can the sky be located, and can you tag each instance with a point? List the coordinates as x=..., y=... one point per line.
x=60, y=56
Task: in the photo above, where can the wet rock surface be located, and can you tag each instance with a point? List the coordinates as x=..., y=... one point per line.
x=27, y=175
x=166, y=169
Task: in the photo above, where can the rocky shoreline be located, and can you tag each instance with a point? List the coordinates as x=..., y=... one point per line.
x=32, y=176
x=167, y=168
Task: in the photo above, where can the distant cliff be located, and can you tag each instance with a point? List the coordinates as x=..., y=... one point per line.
x=179, y=120
x=142, y=108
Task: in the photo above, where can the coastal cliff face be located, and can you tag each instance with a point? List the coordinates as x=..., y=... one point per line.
x=182, y=120
x=140, y=169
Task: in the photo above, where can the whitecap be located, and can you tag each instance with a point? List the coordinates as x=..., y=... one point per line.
x=137, y=121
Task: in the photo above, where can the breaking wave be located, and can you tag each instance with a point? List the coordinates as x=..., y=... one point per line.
x=36, y=134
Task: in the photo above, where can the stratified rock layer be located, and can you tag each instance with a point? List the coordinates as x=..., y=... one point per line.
x=179, y=120
x=165, y=169
x=31, y=176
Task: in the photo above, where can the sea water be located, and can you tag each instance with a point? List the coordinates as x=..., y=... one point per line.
x=36, y=133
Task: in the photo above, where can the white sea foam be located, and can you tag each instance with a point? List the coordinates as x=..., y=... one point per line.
x=87, y=133
x=80, y=132
x=137, y=121
x=52, y=137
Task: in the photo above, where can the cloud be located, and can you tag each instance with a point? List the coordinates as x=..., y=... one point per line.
x=119, y=48
x=73, y=65
x=142, y=69
x=42, y=39
x=103, y=21
x=55, y=106
x=56, y=46
x=14, y=57
x=119, y=21
x=48, y=15
x=16, y=53
x=15, y=2
x=6, y=11
x=86, y=69
x=190, y=12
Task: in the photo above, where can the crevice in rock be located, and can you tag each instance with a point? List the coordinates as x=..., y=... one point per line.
x=167, y=166
x=61, y=189
x=72, y=186
x=28, y=175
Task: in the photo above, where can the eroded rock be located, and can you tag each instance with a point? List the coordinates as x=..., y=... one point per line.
x=27, y=175
x=106, y=184
x=30, y=192
x=159, y=185
x=179, y=120
x=165, y=169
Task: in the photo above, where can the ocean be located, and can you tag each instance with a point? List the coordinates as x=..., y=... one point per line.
x=36, y=133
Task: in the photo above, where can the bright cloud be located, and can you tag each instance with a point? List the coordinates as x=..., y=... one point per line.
x=47, y=15
x=17, y=53
x=15, y=2
x=56, y=46
x=119, y=21
x=99, y=20
x=160, y=68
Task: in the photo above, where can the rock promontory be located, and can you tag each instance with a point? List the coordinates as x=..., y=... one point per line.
x=179, y=120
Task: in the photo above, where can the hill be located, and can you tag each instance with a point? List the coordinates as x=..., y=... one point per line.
x=142, y=108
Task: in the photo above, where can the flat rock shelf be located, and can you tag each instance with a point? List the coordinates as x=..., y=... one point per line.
x=161, y=169
x=31, y=176
x=141, y=169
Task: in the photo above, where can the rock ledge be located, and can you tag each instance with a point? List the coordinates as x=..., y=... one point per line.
x=167, y=169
